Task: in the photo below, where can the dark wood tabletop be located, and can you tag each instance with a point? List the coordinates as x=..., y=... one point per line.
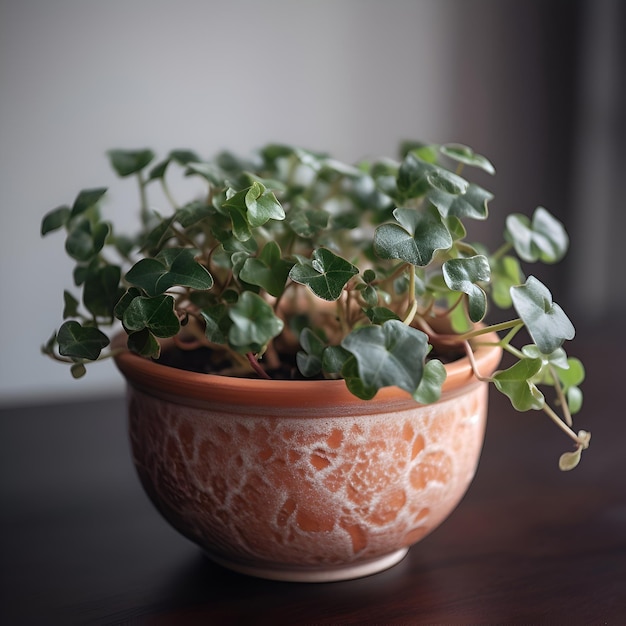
x=81, y=544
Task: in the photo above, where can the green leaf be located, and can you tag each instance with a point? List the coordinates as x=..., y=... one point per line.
x=543, y=239
x=385, y=356
x=516, y=382
x=102, y=290
x=464, y=154
x=124, y=301
x=254, y=324
x=463, y=275
x=413, y=176
x=71, y=305
x=127, y=162
x=262, y=205
x=85, y=241
x=472, y=204
x=171, y=266
x=154, y=313
x=216, y=323
x=380, y=314
x=326, y=274
x=546, y=321
x=415, y=238
x=429, y=389
x=334, y=359
x=86, y=199
x=506, y=272
x=144, y=343
x=569, y=460
x=268, y=271
x=309, y=359
x=81, y=342
x=55, y=219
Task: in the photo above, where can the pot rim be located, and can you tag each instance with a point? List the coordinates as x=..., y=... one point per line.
x=194, y=388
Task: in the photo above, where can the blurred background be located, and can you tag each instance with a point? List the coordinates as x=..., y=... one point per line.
x=537, y=86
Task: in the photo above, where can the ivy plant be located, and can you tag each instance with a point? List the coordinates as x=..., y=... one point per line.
x=290, y=263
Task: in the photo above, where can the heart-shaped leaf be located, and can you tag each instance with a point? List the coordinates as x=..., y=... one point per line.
x=102, y=290
x=127, y=162
x=545, y=320
x=144, y=343
x=516, y=382
x=81, y=342
x=464, y=154
x=472, y=203
x=415, y=238
x=269, y=271
x=86, y=199
x=309, y=359
x=254, y=324
x=325, y=274
x=385, y=356
x=217, y=323
x=84, y=241
x=429, y=389
x=55, y=219
x=154, y=313
x=543, y=239
x=463, y=275
x=171, y=266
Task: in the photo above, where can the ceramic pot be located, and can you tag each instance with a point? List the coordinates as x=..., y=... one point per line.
x=300, y=480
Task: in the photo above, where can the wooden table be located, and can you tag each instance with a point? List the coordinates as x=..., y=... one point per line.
x=81, y=544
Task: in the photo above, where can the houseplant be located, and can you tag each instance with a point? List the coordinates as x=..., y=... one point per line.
x=291, y=266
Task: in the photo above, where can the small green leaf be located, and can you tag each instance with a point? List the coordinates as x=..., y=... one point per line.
x=429, y=389
x=254, y=324
x=466, y=155
x=506, y=272
x=472, y=204
x=262, y=205
x=569, y=460
x=78, y=370
x=326, y=274
x=463, y=275
x=268, y=271
x=81, y=342
x=154, y=313
x=55, y=219
x=415, y=238
x=144, y=343
x=127, y=162
x=309, y=359
x=386, y=356
x=102, y=290
x=516, y=383
x=85, y=241
x=216, y=323
x=171, y=266
x=334, y=359
x=71, y=305
x=86, y=199
x=546, y=321
x=543, y=239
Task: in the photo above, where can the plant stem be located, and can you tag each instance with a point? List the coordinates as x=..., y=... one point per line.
x=561, y=396
x=562, y=425
x=501, y=251
x=410, y=314
x=488, y=329
x=256, y=366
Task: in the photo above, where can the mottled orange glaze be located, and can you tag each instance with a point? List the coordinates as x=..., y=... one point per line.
x=285, y=476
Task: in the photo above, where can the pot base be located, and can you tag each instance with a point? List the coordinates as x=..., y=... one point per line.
x=314, y=575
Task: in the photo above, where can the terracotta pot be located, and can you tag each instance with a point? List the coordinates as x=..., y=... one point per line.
x=300, y=480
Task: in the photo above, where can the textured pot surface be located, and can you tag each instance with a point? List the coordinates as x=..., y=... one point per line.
x=299, y=480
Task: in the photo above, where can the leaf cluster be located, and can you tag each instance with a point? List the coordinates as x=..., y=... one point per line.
x=292, y=260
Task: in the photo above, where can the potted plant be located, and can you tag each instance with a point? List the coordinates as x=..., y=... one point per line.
x=307, y=349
